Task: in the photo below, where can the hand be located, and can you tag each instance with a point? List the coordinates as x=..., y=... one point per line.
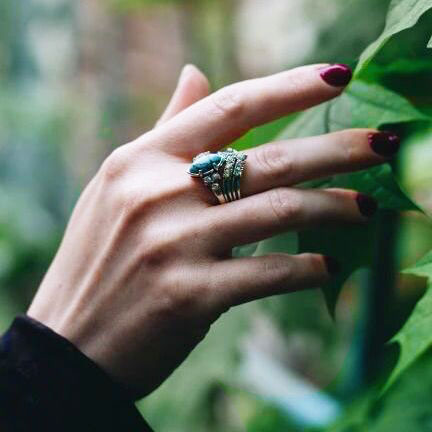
x=145, y=266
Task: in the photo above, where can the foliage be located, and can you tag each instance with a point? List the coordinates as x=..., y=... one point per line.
x=405, y=407
x=402, y=15
x=415, y=337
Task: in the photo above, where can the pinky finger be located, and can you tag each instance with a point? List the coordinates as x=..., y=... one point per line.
x=252, y=278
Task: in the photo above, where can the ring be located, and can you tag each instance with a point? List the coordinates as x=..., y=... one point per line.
x=221, y=173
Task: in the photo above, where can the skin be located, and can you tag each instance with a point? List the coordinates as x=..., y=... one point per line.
x=145, y=265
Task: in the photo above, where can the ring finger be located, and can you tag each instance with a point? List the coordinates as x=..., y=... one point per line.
x=288, y=163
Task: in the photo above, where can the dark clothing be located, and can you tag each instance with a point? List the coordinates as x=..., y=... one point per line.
x=47, y=384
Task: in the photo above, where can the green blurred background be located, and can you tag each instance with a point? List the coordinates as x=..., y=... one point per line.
x=78, y=78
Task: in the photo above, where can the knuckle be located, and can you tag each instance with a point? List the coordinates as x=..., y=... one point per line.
x=274, y=264
x=129, y=200
x=285, y=205
x=115, y=165
x=228, y=102
x=167, y=303
x=271, y=161
x=156, y=253
x=186, y=298
x=177, y=301
x=180, y=298
x=277, y=269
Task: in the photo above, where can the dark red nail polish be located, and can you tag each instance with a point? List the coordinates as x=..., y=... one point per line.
x=333, y=266
x=337, y=75
x=384, y=143
x=367, y=205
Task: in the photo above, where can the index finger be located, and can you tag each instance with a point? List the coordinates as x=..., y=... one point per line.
x=227, y=114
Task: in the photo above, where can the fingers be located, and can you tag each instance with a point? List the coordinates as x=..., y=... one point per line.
x=288, y=163
x=245, y=279
x=228, y=113
x=263, y=215
x=192, y=86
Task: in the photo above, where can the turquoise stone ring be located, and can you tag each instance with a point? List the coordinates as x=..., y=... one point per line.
x=220, y=172
x=205, y=163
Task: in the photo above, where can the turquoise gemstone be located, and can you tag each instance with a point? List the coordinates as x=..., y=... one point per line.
x=205, y=163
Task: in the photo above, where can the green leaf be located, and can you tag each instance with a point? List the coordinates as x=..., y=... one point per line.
x=415, y=337
x=263, y=134
x=429, y=45
x=406, y=407
x=402, y=14
x=363, y=105
x=377, y=182
x=286, y=242
x=373, y=105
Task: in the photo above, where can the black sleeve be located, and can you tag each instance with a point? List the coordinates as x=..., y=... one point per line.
x=47, y=384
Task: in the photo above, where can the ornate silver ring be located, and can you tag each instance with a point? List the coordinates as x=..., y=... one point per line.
x=220, y=172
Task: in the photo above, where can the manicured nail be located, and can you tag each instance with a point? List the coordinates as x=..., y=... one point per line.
x=367, y=205
x=337, y=75
x=384, y=143
x=333, y=266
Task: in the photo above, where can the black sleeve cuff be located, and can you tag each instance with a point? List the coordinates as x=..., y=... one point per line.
x=47, y=384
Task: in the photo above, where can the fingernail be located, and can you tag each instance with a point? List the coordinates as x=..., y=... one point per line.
x=333, y=266
x=367, y=205
x=337, y=75
x=384, y=143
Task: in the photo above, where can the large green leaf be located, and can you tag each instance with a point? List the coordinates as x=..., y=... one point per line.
x=406, y=407
x=403, y=14
x=416, y=336
x=363, y=105
x=373, y=105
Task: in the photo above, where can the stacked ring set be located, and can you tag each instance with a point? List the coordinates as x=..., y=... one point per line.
x=221, y=172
